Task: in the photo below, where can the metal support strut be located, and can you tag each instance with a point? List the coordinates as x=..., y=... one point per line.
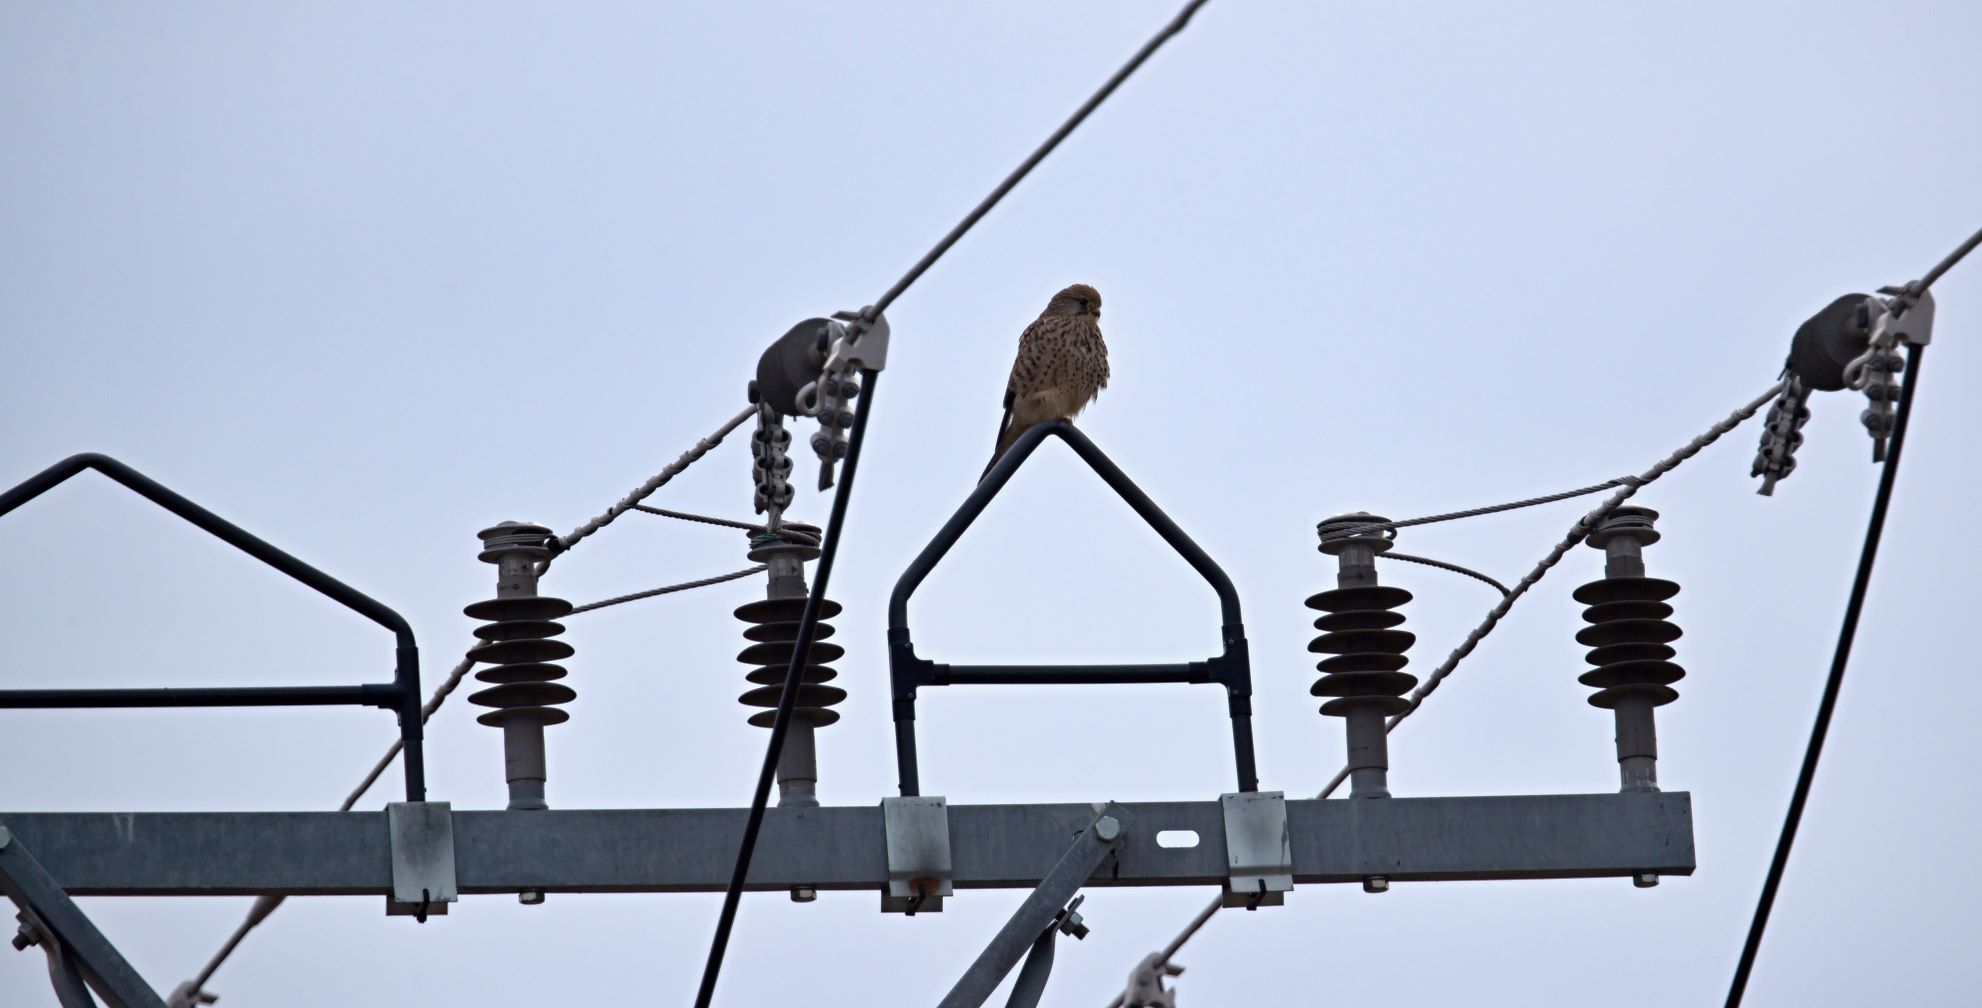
x=1105, y=836
x=80, y=959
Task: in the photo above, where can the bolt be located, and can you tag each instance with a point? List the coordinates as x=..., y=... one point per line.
x=1375, y=884
x=1107, y=828
x=1645, y=879
x=803, y=894
x=1074, y=925
x=5, y=838
x=25, y=937
x=531, y=897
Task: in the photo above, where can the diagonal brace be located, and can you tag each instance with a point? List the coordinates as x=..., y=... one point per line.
x=1103, y=837
x=63, y=924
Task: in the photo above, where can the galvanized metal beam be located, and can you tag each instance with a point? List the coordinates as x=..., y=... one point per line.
x=842, y=848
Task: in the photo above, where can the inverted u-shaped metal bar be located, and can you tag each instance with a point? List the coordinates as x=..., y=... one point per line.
x=401, y=696
x=1231, y=669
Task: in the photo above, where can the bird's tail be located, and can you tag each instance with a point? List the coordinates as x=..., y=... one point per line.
x=1008, y=433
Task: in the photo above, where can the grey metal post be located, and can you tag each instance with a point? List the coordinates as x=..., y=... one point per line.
x=1363, y=675
x=1104, y=836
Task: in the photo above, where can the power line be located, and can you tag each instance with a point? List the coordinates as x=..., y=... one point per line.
x=1847, y=631
x=1861, y=581
x=1961, y=252
x=1442, y=565
x=668, y=589
x=1348, y=530
x=1032, y=161
x=809, y=618
x=808, y=626
x=1826, y=706
x=1628, y=486
x=645, y=490
x=792, y=531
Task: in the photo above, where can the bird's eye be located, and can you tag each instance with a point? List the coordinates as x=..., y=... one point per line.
x=1083, y=306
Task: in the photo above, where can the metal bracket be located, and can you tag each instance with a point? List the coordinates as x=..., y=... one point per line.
x=1912, y=320
x=1258, y=850
x=422, y=837
x=919, y=866
x=864, y=346
x=1145, y=988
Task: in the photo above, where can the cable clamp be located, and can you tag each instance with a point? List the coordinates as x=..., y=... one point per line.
x=919, y=867
x=1145, y=988
x=1259, y=853
x=422, y=839
x=862, y=345
x=858, y=343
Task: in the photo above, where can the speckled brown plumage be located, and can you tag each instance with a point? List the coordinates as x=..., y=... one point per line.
x=1062, y=365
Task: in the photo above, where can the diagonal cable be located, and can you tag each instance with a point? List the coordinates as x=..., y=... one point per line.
x=1628, y=486
x=1806, y=775
x=668, y=589
x=1834, y=682
x=645, y=490
x=809, y=618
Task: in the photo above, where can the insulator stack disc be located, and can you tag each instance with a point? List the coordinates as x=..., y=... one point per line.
x=1366, y=648
x=1630, y=640
x=517, y=650
x=773, y=631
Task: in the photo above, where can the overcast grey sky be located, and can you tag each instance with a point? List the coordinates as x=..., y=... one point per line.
x=368, y=277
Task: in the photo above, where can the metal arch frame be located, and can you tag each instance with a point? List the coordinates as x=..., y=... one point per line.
x=907, y=672
x=402, y=695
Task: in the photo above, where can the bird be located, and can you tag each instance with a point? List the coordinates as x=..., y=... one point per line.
x=1062, y=366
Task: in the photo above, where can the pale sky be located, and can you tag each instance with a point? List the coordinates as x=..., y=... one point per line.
x=368, y=277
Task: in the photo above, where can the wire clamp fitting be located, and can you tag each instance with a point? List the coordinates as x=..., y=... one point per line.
x=422, y=839
x=1259, y=852
x=1145, y=988
x=770, y=466
x=1852, y=343
x=919, y=866
x=859, y=342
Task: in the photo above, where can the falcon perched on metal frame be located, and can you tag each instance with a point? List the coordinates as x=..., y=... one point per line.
x=1062, y=366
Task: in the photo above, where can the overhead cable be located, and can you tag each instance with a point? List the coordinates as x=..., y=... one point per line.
x=1834, y=682
x=645, y=490
x=1628, y=486
x=667, y=590
x=808, y=620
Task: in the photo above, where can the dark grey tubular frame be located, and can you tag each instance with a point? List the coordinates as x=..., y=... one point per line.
x=401, y=696
x=1232, y=669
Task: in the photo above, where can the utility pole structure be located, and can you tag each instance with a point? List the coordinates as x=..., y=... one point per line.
x=915, y=851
